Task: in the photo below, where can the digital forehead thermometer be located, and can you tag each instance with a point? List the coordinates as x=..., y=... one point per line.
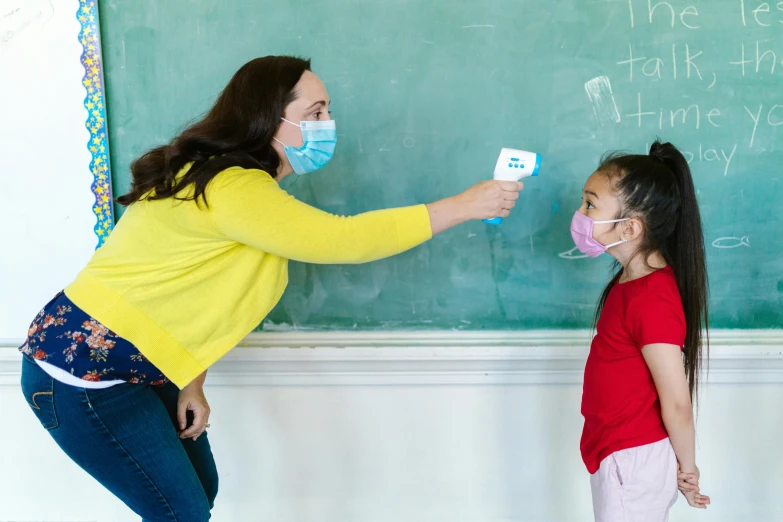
x=514, y=165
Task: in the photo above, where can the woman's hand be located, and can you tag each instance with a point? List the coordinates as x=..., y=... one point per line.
x=490, y=199
x=487, y=200
x=191, y=398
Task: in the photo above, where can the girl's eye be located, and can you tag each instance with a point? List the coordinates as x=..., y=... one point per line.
x=589, y=205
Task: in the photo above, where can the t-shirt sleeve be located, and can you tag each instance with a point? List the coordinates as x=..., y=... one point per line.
x=657, y=318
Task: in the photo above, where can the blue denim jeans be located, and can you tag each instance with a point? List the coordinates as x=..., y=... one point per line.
x=125, y=437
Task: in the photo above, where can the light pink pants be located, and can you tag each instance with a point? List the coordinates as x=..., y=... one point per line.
x=636, y=484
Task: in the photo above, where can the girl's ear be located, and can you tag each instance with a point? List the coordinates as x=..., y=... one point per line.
x=632, y=229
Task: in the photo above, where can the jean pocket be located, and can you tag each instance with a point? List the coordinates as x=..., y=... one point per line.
x=38, y=390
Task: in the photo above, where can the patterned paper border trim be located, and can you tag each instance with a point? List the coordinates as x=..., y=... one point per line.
x=95, y=103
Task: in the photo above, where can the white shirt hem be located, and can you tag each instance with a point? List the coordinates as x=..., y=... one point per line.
x=64, y=377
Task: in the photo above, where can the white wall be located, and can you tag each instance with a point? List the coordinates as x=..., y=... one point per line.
x=46, y=214
x=418, y=428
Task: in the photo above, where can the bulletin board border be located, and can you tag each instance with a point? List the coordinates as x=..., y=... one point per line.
x=95, y=104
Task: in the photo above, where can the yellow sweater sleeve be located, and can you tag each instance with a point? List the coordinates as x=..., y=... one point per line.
x=248, y=206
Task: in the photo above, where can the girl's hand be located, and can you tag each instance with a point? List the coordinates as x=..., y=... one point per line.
x=697, y=500
x=688, y=482
x=191, y=398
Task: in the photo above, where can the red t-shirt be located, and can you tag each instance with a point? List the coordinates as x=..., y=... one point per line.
x=619, y=401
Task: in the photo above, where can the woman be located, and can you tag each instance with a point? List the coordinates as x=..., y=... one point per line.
x=114, y=366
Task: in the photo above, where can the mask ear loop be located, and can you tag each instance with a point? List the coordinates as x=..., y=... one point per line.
x=622, y=240
x=287, y=121
x=617, y=243
x=611, y=221
x=292, y=123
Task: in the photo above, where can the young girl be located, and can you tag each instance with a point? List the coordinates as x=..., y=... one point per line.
x=638, y=440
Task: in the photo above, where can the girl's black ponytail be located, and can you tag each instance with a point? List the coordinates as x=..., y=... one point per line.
x=687, y=258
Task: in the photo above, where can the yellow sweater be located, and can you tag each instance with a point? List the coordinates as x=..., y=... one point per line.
x=185, y=283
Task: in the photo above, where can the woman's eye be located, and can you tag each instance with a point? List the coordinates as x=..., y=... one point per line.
x=589, y=205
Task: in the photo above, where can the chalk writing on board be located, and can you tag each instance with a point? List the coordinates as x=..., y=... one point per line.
x=732, y=242
x=762, y=61
x=642, y=60
x=572, y=254
x=684, y=63
x=663, y=13
x=774, y=118
x=694, y=115
x=764, y=15
x=599, y=90
x=708, y=154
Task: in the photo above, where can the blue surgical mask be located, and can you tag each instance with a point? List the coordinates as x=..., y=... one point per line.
x=320, y=140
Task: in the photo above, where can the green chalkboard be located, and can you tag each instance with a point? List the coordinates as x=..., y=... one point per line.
x=426, y=92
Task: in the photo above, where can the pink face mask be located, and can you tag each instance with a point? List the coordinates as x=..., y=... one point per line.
x=582, y=233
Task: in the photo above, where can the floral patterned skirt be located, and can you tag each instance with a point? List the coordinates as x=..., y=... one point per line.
x=65, y=336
